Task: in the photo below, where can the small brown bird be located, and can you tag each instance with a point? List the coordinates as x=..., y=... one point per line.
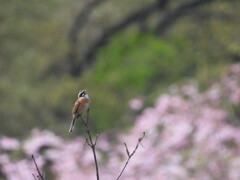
x=81, y=105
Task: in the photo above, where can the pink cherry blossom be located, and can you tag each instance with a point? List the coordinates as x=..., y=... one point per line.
x=7, y=143
x=190, y=135
x=136, y=104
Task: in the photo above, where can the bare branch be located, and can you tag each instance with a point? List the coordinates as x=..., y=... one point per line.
x=90, y=143
x=130, y=155
x=87, y=115
x=127, y=149
x=34, y=177
x=39, y=173
x=96, y=138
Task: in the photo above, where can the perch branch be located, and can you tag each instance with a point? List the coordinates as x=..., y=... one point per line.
x=91, y=143
x=39, y=172
x=130, y=155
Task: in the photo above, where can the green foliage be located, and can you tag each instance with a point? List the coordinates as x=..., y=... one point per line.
x=131, y=61
x=33, y=36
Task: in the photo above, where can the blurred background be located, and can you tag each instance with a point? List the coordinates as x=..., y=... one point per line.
x=115, y=50
x=119, y=51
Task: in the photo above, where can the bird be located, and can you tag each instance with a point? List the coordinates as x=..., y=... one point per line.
x=81, y=105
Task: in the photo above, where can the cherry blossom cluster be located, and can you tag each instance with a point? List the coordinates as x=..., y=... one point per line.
x=190, y=134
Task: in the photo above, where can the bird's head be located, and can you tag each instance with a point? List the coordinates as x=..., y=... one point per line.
x=82, y=93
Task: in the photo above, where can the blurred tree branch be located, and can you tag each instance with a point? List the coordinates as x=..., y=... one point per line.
x=136, y=17
x=173, y=15
x=217, y=15
x=167, y=17
x=78, y=25
x=88, y=57
x=81, y=20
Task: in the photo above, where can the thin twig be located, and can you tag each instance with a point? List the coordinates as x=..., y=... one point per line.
x=39, y=173
x=127, y=149
x=87, y=115
x=130, y=155
x=90, y=142
x=96, y=138
x=34, y=177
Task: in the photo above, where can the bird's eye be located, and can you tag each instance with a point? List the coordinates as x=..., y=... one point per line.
x=81, y=94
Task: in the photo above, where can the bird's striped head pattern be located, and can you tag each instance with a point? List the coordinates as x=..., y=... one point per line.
x=82, y=93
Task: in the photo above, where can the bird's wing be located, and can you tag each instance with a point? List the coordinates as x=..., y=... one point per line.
x=78, y=104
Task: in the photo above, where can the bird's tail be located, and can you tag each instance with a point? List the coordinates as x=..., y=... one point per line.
x=72, y=125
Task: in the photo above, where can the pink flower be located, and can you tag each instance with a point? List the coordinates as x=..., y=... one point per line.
x=235, y=96
x=39, y=140
x=7, y=143
x=235, y=69
x=190, y=90
x=4, y=158
x=136, y=104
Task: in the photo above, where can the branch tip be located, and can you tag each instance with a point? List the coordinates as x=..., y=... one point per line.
x=127, y=149
x=130, y=154
x=96, y=138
